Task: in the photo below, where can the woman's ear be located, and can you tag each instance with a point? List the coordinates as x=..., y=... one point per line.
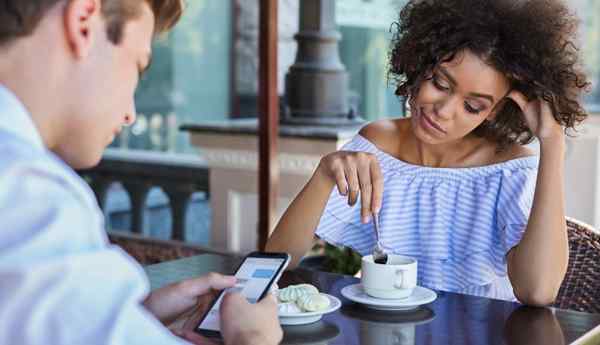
x=81, y=19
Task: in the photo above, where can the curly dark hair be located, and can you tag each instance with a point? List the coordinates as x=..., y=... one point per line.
x=532, y=42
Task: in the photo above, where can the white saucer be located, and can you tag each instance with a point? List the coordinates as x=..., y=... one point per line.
x=309, y=317
x=419, y=297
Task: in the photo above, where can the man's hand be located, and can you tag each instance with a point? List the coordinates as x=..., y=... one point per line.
x=243, y=323
x=171, y=301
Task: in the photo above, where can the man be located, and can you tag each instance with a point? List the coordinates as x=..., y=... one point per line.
x=68, y=71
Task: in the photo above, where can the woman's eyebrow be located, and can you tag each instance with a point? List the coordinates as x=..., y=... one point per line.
x=454, y=83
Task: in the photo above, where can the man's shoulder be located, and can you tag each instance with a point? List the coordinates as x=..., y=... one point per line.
x=41, y=198
x=26, y=161
x=27, y=168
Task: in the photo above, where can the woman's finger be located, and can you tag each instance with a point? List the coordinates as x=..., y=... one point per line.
x=364, y=180
x=377, y=183
x=353, y=183
x=519, y=98
x=340, y=180
x=546, y=110
x=531, y=109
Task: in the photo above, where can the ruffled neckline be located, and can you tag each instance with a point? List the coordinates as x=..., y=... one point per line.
x=390, y=162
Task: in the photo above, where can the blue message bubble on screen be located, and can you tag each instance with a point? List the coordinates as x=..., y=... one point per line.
x=262, y=273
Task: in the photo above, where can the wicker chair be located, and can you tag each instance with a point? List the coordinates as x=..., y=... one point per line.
x=580, y=289
x=149, y=251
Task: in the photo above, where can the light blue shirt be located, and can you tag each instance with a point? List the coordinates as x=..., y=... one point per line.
x=458, y=222
x=60, y=280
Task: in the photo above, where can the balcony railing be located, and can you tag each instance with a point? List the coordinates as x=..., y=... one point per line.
x=178, y=175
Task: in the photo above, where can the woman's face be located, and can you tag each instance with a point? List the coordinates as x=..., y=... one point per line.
x=458, y=97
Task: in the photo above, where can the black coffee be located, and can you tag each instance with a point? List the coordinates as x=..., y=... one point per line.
x=381, y=260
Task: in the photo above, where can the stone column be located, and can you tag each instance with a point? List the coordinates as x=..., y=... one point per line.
x=316, y=86
x=246, y=50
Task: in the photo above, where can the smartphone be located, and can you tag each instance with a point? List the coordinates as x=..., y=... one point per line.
x=255, y=276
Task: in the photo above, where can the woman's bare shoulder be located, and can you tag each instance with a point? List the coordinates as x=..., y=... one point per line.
x=385, y=133
x=514, y=151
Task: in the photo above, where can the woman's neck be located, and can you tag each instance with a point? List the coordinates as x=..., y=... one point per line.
x=468, y=151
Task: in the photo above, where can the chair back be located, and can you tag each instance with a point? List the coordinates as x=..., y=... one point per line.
x=147, y=250
x=580, y=289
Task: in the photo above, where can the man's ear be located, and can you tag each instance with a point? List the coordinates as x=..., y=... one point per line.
x=81, y=19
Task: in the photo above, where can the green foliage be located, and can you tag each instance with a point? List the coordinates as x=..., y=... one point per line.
x=341, y=260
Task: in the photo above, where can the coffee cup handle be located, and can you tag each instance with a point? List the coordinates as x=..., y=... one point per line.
x=399, y=283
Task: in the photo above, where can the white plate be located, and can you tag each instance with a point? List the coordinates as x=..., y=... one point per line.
x=309, y=317
x=419, y=297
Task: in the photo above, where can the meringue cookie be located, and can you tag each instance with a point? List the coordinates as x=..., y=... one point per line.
x=293, y=292
x=313, y=302
x=289, y=308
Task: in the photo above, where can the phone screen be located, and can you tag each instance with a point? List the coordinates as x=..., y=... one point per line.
x=254, y=277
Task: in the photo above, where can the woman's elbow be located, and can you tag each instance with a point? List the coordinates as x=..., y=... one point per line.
x=538, y=297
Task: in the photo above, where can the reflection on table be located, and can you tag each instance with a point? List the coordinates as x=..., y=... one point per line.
x=451, y=319
x=314, y=334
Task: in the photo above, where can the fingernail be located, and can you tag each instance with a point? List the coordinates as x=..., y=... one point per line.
x=366, y=219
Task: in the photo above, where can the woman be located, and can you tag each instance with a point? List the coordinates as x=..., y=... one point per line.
x=453, y=184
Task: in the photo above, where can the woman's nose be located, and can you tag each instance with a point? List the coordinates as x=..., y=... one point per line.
x=446, y=108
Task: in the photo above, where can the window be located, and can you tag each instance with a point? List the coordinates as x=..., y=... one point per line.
x=206, y=70
x=189, y=79
x=365, y=28
x=589, y=12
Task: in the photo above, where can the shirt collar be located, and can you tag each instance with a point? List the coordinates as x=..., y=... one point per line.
x=16, y=120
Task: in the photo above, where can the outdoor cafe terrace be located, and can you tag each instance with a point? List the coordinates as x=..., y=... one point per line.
x=189, y=188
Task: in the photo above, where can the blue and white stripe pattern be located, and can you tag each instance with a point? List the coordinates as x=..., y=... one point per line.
x=458, y=222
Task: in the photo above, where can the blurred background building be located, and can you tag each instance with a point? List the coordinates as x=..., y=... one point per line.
x=206, y=69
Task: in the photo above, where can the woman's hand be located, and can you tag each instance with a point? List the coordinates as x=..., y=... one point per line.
x=539, y=117
x=356, y=173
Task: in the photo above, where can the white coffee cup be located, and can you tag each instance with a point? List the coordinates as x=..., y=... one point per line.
x=394, y=280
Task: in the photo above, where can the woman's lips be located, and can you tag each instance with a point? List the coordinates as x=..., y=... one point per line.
x=432, y=123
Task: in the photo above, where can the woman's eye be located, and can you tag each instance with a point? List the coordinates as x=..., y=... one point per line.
x=471, y=109
x=439, y=84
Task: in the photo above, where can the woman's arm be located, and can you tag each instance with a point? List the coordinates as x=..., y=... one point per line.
x=355, y=174
x=537, y=266
x=295, y=231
